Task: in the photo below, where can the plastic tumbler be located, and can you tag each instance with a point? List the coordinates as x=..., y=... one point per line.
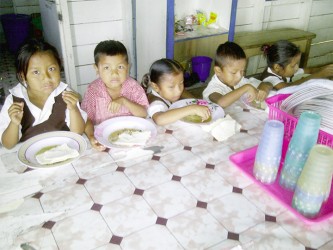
x=269, y=151
x=304, y=138
x=314, y=184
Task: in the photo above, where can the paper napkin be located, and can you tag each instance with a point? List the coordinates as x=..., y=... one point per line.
x=222, y=128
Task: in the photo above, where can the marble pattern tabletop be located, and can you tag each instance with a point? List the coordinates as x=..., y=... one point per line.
x=188, y=196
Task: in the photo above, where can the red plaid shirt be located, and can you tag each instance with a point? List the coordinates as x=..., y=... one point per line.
x=96, y=99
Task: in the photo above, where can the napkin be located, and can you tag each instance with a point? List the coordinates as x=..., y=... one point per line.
x=57, y=154
x=222, y=128
x=135, y=138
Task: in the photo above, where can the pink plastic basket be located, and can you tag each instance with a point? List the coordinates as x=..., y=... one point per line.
x=244, y=160
x=290, y=121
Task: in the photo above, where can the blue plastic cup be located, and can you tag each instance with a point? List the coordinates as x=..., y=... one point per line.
x=307, y=203
x=268, y=155
x=304, y=138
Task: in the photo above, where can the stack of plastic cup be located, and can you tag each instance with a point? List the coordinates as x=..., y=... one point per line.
x=304, y=138
x=314, y=184
x=268, y=155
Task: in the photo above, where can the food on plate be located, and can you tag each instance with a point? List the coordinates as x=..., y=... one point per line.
x=258, y=105
x=129, y=137
x=114, y=136
x=196, y=119
x=55, y=153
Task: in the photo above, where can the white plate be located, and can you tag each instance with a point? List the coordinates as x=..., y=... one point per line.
x=28, y=150
x=103, y=130
x=215, y=110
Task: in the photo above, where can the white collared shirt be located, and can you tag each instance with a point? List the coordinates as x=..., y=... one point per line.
x=157, y=106
x=40, y=115
x=216, y=86
x=276, y=79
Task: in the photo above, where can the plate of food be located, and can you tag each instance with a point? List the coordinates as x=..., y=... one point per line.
x=257, y=105
x=52, y=149
x=125, y=131
x=215, y=110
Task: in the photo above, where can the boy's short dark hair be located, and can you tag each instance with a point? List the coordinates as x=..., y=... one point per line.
x=109, y=48
x=228, y=51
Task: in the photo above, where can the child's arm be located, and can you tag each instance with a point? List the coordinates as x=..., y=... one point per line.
x=135, y=108
x=315, y=73
x=89, y=131
x=172, y=115
x=227, y=99
x=263, y=90
x=77, y=123
x=320, y=72
x=10, y=136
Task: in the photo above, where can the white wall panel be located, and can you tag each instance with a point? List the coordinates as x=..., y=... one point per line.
x=245, y=4
x=321, y=7
x=243, y=28
x=95, y=32
x=290, y=11
x=322, y=60
x=323, y=35
x=289, y=23
x=85, y=74
x=94, y=21
x=84, y=54
x=150, y=33
x=103, y=10
x=320, y=22
x=244, y=16
x=321, y=49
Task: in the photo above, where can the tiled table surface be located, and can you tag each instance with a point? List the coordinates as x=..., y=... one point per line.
x=189, y=196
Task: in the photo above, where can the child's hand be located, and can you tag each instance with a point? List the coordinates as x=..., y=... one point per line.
x=262, y=95
x=115, y=105
x=96, y=145
x=252, y=93
x=200, y=110
x=71, y=99
x=326, y=71
x=15, y=112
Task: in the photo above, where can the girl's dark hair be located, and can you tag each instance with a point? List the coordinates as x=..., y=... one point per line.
x=159, y=69
x=280, y=53
x=27, y=50
x=109, y=48
x=228, y=51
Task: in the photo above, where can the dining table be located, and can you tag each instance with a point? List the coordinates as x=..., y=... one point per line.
x=180, y=191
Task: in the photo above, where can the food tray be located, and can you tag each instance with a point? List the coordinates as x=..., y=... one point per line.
x=290, y=121
x=244, y=160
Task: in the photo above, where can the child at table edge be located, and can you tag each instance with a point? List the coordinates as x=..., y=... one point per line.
x=165, y=83
x=228, y=83
x=283, y=58
x=114, y=93
x=40, y=102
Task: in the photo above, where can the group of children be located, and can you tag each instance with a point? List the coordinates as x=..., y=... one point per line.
x=42, y=103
